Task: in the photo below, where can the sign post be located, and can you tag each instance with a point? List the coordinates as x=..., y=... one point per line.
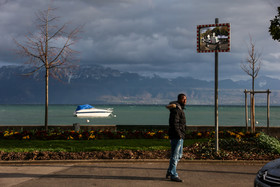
x=214, y=38
x=216, y=98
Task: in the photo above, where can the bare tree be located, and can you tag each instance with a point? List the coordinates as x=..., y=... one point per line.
x=252, y=67
x=49, y=49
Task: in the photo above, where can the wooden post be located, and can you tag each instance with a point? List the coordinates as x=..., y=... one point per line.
x=246, y=110
x=252, y=112
x=253, y=118
x=268, y=111
x=252, y=109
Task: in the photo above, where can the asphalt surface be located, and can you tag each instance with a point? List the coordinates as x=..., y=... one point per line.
x=126, y=173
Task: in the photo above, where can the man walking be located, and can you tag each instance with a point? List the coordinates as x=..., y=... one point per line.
x=176, y=132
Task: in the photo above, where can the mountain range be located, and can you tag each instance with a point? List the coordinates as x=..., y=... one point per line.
x=96, y=84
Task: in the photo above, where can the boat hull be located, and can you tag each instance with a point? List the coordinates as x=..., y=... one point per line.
x=93, y=113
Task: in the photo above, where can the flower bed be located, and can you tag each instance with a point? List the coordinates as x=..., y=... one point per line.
x=133, y=134
x=230, y=149
x=233, y=145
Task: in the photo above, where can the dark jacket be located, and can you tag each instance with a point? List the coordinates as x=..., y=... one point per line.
x=177, y=121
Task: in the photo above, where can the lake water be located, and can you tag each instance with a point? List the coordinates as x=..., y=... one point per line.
x=133, y=115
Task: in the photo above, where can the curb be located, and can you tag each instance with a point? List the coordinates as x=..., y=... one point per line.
x=50, y=162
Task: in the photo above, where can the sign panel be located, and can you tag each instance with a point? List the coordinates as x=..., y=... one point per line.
x=213, y=38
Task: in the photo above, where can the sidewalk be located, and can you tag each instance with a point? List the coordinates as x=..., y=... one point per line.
x=126, y=173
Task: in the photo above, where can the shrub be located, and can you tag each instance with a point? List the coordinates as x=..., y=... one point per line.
x=269, y=143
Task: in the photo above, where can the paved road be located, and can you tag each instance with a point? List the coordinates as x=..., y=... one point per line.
x=148, y=173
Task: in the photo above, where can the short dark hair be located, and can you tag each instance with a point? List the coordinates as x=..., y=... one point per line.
x=180, y=96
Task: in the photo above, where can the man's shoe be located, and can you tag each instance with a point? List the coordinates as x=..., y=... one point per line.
x=176, y=179
x=168, y=174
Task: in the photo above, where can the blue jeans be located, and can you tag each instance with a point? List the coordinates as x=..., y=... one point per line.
x=176, y=155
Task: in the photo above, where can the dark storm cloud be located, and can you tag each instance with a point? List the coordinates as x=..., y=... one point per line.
x=151, y=36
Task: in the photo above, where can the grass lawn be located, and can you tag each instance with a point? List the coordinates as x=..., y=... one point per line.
x=88, y=145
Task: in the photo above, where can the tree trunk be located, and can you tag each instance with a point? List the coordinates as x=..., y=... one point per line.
x=47, y=72
x=46, y=98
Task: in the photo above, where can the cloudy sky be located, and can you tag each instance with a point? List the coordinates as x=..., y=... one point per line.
x=152, y=37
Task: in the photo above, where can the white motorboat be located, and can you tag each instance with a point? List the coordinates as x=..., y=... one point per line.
x=90, y=111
